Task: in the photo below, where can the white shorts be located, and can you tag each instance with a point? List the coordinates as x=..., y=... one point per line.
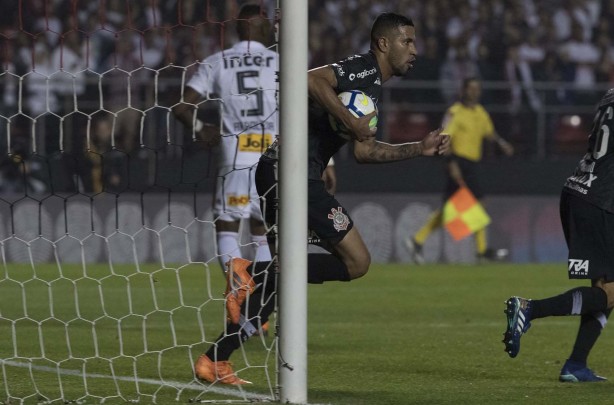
x=235, y=195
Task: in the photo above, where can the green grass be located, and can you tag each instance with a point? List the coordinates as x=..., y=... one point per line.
x=103, y=321
x=432, y=335
x=400, y=335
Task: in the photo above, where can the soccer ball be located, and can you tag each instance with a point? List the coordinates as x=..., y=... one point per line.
x=359, y=105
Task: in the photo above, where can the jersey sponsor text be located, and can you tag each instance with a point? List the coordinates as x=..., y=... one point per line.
x=578, y=267
x=237, y=200
x=362, y=74
x=254, y=142
x=247, y=60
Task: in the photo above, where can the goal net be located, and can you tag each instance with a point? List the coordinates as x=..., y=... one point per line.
x=110, y=286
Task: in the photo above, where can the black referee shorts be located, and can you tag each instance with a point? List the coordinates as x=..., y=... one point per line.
x=327, y=220
x=469, y=170
x=589, y=233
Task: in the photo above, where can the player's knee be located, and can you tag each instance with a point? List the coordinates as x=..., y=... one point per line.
x=359, y=265
x=609, y=291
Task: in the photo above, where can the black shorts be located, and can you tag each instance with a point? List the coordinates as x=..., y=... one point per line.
x=469, y=170
x=589, y=233
x=327, y=220
x=266, y=185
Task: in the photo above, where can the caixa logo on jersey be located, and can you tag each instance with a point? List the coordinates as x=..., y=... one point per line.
x=578, y=267
x=362, y=74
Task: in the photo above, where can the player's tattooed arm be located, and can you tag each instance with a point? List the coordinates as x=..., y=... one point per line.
x=381, y=152
x=372, y=151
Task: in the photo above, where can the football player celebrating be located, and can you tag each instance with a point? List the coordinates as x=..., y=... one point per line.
x=251, y=288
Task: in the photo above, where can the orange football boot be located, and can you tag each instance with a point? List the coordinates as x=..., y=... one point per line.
x=216, y=371
x=239, y=283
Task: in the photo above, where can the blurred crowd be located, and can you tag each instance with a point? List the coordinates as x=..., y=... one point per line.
x=101, y=76
x=98, y=77
x=519, y=41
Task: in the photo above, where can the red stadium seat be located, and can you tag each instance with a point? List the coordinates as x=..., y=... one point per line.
x=405, y=126
x=570, y=134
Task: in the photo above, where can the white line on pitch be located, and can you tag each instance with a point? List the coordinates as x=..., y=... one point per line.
x=173, y=384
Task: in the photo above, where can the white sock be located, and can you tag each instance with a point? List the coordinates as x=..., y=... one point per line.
x=227, y=247
x=263, y=254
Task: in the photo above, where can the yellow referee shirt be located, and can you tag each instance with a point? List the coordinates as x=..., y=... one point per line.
x=468, y=126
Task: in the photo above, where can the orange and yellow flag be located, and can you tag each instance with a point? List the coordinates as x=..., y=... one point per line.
x=463, y=214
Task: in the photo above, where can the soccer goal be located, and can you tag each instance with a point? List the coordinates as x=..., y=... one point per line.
x=110, y=286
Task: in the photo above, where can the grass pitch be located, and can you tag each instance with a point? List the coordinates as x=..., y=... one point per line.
x=432, y=335
x=400, y=335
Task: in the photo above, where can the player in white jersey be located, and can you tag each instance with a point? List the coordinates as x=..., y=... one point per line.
x=242, y=79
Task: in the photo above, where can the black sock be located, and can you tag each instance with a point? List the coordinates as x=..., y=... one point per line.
x=260, y=271
x=226, y=343
x=578, y=301
x=323, y=267
x=588, y=333
x=258, y=306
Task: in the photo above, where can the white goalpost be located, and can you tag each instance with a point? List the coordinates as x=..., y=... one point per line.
x=293, y=203
x=110, y=287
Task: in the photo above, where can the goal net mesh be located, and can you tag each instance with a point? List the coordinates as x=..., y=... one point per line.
x=110, y=286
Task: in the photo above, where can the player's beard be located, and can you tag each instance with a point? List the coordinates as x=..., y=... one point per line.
x=400, y=67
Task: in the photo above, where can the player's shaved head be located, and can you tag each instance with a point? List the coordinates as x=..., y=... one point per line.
x=253, y=25
x=387, y=24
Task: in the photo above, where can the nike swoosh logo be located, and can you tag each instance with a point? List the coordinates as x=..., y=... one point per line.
x=365, y=101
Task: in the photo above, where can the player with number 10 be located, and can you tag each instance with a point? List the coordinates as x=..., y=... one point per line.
x=587, y=215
